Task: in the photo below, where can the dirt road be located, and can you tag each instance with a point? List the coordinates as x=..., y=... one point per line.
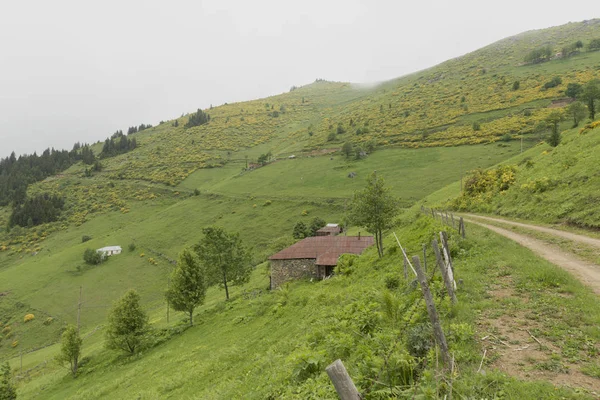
x=556, y=232
x=587, y=272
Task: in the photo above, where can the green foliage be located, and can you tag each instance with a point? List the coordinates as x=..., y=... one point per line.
x=574, y=90
x=70, y=349
x=591, y=94
x=476, y=126
x=554, y=82
x=131, y=246
x=516, y=85
x=340, y=129
x=315, y=224
x=374, y=208
x=300, y=230
x=392, y=281
x=117, y=144
x=85, y=238
x=188, y=285
x=594, y=44
x=198, y=118
x=92, y=257
x=577, y=112
x=127, y=324
x=225, y=258
x=331, y=137
x=555, y=118
x=347, y=149
x=37, y=210
x=7, y=390
x=539, y=55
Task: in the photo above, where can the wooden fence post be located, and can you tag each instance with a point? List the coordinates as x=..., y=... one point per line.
x=342, y=382
x=444, y=238
x=448, y=282
x=452, y=215
x=462, y=227
x=440, y=338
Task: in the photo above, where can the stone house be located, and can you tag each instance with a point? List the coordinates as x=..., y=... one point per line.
x=314, y=257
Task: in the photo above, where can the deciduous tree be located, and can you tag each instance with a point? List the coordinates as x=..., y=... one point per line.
x=188, y=284
x=590, y=94
x=226, y=259
x=70, y=349
x=374, y=208
x=127, y=324
x=576, y=111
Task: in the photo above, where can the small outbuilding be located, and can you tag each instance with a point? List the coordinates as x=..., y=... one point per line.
x=330, y=230
x=314, y=257
x=109, y=251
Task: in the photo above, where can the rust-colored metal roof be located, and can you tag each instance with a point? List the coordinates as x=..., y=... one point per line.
x=325, y=249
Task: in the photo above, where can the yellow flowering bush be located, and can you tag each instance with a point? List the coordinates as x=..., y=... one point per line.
x=28, y=317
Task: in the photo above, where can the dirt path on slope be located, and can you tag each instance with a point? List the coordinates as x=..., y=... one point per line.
x=555, y=232
x=587, y=272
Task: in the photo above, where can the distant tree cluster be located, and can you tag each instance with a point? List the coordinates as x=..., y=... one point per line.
x=135, y=129
x=301, y=230
x=38, y=210
x=92, y=257
x=18, y=173
x=198, y=118
x=117, y=144
x=571, y=49
x=263, y=159
x=539, y=55
x=594, y=44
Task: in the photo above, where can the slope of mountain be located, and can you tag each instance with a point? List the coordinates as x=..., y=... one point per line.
x=179, y=180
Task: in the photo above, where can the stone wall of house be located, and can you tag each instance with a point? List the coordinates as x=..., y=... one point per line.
x=285, y=270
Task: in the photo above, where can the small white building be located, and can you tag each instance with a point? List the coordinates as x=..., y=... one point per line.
x=109, y=251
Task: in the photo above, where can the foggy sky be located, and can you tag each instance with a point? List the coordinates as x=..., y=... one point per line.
x=73, y=70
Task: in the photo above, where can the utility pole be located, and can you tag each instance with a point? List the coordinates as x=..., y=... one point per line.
x=168, y=287
x=521, y=143
x=79, y=308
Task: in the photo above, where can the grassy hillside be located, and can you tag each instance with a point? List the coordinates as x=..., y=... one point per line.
x=553, y=185
x=275, y=345
x=159, y=196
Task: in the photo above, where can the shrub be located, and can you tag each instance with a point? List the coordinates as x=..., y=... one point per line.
x=132, y=246
x=92, y=257
x=48, y=321
x=476, y=126
x=331, y=137
x=553, y=83
x=392, y=281
x=516, y=85
x=506, y=137
x=28, y=317
x=6, y=330
x=268, y=203
x=85, y=238
x=15, y=343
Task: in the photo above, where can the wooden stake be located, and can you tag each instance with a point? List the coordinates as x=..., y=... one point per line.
x=448, y=282
x=452, y=215
x=404, y=254
x=440, y=338
x=462, y=226
x=342, y=382
x=425, y=257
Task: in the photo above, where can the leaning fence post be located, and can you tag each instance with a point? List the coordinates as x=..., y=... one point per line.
x=448, y=281
x=462, y=227
x=342, y=382
x=440, y=338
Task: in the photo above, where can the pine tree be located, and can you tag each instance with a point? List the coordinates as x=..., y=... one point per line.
x=7, y=389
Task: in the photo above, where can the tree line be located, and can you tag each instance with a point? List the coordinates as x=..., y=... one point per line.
x=117, y=144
